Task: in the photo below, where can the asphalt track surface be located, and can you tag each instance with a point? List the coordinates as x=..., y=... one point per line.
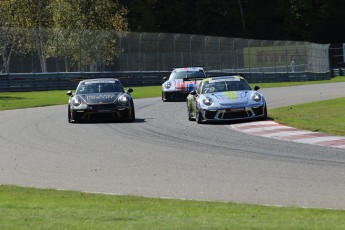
x=162, y=154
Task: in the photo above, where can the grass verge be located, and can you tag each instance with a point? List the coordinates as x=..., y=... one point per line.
x=27, y=208
x=17, y=100
x=323, y=116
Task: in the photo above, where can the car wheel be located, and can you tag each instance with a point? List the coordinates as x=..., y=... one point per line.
x=198, y=117
x=73, y=117
x=264, y=116
x=132, y=117
x=163, y=98
x=69, y=115
x=190, y=118
x=131, y=114
x=265, y=113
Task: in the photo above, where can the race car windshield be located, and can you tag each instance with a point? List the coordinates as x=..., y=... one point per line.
x=187, y=74
x=99, y=87
x=223, y=86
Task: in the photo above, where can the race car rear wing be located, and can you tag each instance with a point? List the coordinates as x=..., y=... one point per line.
x=193, y=78
x=221, y=74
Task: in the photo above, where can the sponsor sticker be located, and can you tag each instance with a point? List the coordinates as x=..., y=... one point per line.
x=235, y=110
x=230, y=95
x=103, y=96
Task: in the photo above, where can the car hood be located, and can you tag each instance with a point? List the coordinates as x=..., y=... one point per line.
x=233, y=97
x=99, y=98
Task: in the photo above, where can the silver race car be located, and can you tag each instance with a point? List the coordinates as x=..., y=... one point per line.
x=225, y=98
x=181, y=81
x=103, y=98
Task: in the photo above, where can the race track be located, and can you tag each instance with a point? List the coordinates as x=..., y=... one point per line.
x=163, y=154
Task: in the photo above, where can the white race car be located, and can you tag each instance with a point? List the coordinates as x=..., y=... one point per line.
x=181, y=82
x=225, y=98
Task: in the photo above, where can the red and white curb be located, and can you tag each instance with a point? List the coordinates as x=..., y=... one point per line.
x=274, y=130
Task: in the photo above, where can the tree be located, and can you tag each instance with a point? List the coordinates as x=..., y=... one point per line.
x=62, y=28
x=310, y=20
x=78, y=25
x=30, y=14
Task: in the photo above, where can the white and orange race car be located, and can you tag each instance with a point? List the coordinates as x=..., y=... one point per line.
x=181, y=82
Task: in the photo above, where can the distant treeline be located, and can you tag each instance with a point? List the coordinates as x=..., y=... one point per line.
x=319, y=21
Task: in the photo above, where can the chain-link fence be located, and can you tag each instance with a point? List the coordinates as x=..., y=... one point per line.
x=52, y=50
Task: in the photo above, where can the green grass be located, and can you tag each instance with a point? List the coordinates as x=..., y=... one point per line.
x=324, y=116
x=27, y=208
x=282, y=84
x=17, y=100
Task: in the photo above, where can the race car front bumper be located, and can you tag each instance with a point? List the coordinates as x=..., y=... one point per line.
x=230, y=114
x=102, y=112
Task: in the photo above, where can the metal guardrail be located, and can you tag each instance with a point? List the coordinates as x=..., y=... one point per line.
x=69, y=81
x=56, y=81
x=337, y=72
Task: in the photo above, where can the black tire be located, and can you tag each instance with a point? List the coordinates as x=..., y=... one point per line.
x=69, y=115
x=72, y=117
x=190, y=118
x=265, y=113
x=264, y=116
x=163, y=98
x=132, y=115
x=198, y=117
x=166, y=97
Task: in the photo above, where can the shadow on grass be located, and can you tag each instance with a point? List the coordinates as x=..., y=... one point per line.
x=8, y=98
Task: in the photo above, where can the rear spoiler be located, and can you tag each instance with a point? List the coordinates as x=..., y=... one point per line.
x=221, y=74
x=89, y=78
x=193, y=78
x=204, y=67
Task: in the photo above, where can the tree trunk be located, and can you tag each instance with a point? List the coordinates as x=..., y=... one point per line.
x=242, y=16
x=41, y=51
x=6, y=57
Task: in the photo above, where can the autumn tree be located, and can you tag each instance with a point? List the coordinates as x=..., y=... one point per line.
x=82, y=31
x=87, y=31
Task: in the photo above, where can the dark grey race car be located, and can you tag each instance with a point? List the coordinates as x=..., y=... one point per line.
x=103, y=98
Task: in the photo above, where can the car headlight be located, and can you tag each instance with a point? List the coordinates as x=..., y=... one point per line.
x=76, y=101
x=123, y=99
x=256, y=97
x=207, y=101
x=167, y=85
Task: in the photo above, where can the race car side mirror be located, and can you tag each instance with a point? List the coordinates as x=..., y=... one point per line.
x=193, y=92
x=69, y=93
x=256, y=88
x=130, y=90
x=165, y=78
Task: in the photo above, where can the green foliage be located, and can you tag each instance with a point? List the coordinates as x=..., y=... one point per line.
x=28, y=208
x=62, y=29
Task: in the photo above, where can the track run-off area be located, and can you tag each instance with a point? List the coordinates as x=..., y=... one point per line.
x=162, y=154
